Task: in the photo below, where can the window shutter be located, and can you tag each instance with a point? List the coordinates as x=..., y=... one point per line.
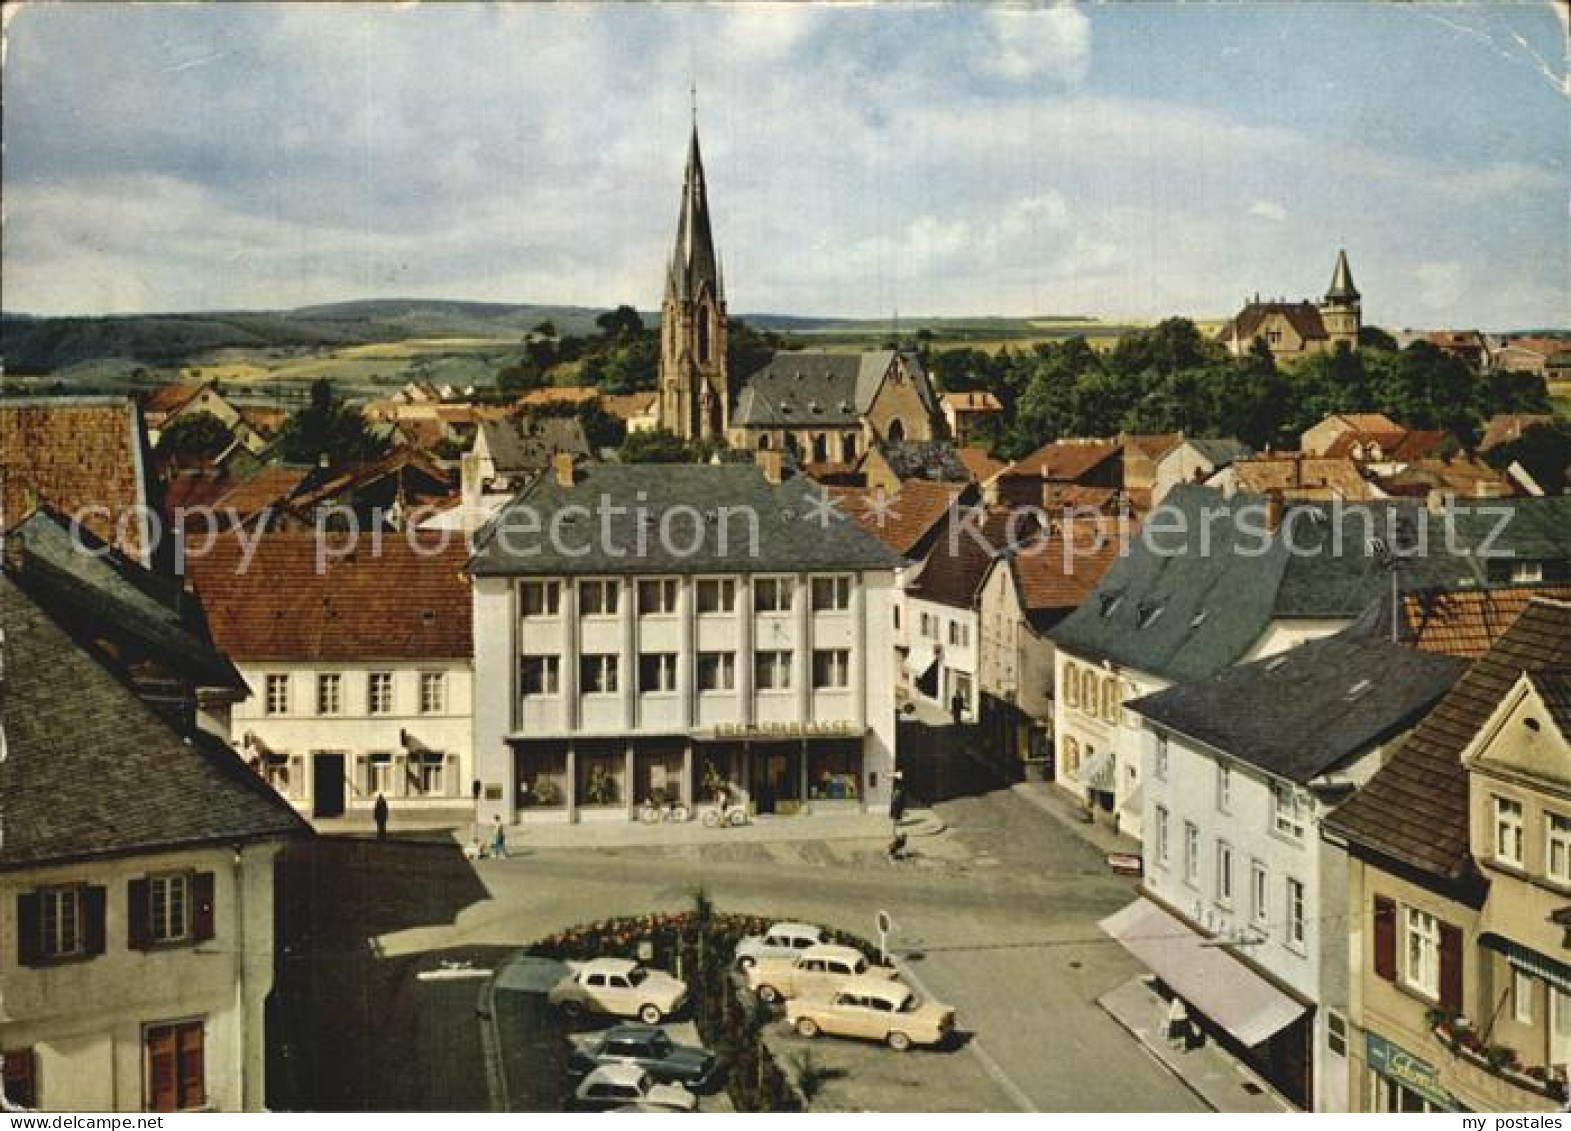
x=193, y=1083
x=161, y=1070
x=21, y=1077
x=202, y=906
x=1385, y=938
x=94, y=908
x=27, y=929
x=138, y=902
x=1450, y=968
x=450, y=775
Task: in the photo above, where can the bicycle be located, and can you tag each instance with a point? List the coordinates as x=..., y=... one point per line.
x=652, y=813
x=725, y=816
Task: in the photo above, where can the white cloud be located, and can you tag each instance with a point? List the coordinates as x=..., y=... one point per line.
x=1027, y=43
x=1268, y=210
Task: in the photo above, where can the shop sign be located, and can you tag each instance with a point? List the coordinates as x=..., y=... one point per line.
x=841, y=729
x=1412, y=1072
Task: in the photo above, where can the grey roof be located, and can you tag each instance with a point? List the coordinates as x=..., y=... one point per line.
x=1169, y=609
x=1306, y=711
x=1219, y=451
x=797, y=530
x=1342, y=280
x=803, y=388
x=90, y=770
x=527, y=442
x=925, y=459
x=92, y=588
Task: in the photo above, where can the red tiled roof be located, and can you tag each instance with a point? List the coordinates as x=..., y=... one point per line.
x=271, y=485
x=267, y=421
x=1508, y=426
x=168, y=399
x=1063, y=461
x=572, y=394
x=959, y=560
x=1304, y=317
x=74, y=453
x=393, y=603
x=1303, y=477
x=906, y=517
x=1057, y=573
x=981, y=465
x=1153, y=444
x=976, y=401
x=1465, y=622
x=1415, y=809
x=625, y=406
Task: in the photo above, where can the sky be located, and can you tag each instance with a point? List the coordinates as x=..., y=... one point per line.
x=1117, y=161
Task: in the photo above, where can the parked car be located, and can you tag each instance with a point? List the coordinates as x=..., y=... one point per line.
x=620, y=1086
x=874, y=1010
x=782, y=940
x=620, y=987
x=648, y=1048
x=818, y=969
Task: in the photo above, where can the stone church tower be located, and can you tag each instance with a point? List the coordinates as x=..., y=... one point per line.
x=695, y=387
x=1342, y=311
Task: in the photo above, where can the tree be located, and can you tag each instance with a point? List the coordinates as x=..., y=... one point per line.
x=749, y=350
x=520, y=377
x=655, y=446
x=1374, y=338
x=623, y=322
x=328, y=427
x=546, y=329
x=198, y=435
x=1544, y=451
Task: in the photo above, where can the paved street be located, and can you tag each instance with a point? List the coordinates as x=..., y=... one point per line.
x=996, y=916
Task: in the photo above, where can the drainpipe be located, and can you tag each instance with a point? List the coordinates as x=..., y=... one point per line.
x=247, y=1080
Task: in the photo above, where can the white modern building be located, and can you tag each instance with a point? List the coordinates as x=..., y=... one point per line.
x=663, y=632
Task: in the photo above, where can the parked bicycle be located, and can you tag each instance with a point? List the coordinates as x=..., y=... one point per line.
x=658, y=812
x=724, y=815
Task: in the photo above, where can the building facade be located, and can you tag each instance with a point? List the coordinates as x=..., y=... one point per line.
x=1291, y=330
x=746, y=655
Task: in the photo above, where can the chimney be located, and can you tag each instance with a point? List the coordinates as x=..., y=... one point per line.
x=1274, y=509
x=768, y=462
x=562, y=468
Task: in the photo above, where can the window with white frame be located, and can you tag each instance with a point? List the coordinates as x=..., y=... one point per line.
x=1557, y=847
x=1287, y=811
x=1161, y=756
x=1421, y=952
x=772, y=594
x=433, y=693
x=1526, y=573
x=1508, y=831
x=277, y=694
x=428, y=774
x=329, y=693
x=169, y=907
x=598, y=597
x=657, y=596
x=1162, y=847
x=540, y=598
x=772, y=671
x=1224, y=873
x=959, y=634
x=379, y=693
x=60, y=921
x=1224, y=787
x=1521, y=996
x=1071, y=685
x=716, y=595
x=1259, y=893
x=598, y=673
x=831, y=594
x=1295, y=914
x=831, y=668
x=379, y=772
x=657, y=672
x=540, y=675
x=717, y=671
x=1191, y=853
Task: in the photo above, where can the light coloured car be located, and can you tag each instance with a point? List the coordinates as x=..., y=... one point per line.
x=874, y=1010
x=620, y=1086
x=782, y=940
x=817, y=970
x=620, y=987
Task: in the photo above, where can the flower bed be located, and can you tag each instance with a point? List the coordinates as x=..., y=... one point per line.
x=1459, y=1036
x=699, y=946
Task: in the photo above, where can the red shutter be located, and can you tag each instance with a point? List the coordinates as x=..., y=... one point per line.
x=20, y=1082
x=202, y=906
x=28, y=929
x=193, y=1086
x=1450, y=968
x=138, y=909
x=161, y=1070
x=1385, y=938
x=94, y=907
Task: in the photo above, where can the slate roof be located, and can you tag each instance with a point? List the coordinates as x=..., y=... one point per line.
x=91, y=771
x=1415, y=809
x=1216, y=605
x=1304, y=317
x=1063, y=461
x=394, y=601
x=1306, y=711
x=87, y=584
x=1554, y=688
x=959, y=561
x=1465, y=622
x=925, y=459
x=796, y=529
x=804, y=388
x=74, y=453
x=1219, y=451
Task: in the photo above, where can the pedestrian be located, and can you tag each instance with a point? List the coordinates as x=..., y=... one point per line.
x=897, y=799
x=499, y=841
x=379, y=815
x=957, y=707
x=1177, y=1023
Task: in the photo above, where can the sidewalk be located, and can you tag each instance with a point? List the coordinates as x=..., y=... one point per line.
x=918, y=823
x=1209, y=1071
x=1054, y=801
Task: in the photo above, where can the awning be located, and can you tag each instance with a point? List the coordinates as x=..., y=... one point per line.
x=1529, y=961
x=268, y=755
x=1098, y=771
x=922, y=665
x=418, y=750
x=1209, y=979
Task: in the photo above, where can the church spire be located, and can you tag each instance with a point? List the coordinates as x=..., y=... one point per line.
x=1342, y=289
x=693, y=260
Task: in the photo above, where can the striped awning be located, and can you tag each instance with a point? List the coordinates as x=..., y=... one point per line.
x=1529, y=961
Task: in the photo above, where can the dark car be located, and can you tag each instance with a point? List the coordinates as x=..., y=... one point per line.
x=648, y=1048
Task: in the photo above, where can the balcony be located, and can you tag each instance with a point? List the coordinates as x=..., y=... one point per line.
x=1495, y=1070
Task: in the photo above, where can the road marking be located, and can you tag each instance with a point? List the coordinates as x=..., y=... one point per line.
x=974, y=1047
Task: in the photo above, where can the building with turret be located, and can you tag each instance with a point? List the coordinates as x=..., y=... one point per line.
x=1295, y=329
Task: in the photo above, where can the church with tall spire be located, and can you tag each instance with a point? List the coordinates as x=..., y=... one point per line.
x=695, y=383
x=1295, y=329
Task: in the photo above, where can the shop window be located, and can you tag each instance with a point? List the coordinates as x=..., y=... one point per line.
x=542, y=779
x=379, y=773
x=600, y=776
x=1521, y=996
x=834, y=771
x=428, y=774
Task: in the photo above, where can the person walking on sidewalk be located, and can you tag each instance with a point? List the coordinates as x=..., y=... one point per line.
x=379, y=815
x=499, y=841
